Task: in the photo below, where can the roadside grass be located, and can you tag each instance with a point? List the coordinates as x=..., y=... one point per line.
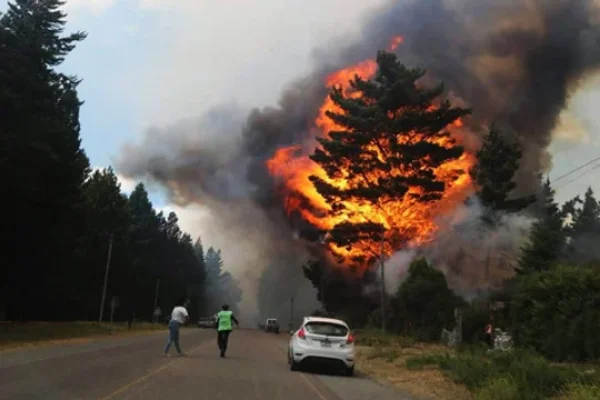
x=384, y=357
x=518, y=374
x=433, y=371
x=19, y=334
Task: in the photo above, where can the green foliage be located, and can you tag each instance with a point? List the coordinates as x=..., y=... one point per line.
x=557, y=313
x=493, y=173
x=546, y=239
x=424, y=304
x=499, y=389
x=584, y=230
x=581, y=392
x=475, y=317
x=501, y=374
x=391, y=108
x=42, y=164
x=376, y=338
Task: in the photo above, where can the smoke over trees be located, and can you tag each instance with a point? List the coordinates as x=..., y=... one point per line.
x=221, y=286
x=491, y=55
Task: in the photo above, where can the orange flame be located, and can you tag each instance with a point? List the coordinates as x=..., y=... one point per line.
x=407, y=216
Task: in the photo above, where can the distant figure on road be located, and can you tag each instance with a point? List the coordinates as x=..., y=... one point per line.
x=224, y=328
x=179, y=317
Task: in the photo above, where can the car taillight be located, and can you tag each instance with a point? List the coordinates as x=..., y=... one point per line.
x=301, y=333
x=350, y=339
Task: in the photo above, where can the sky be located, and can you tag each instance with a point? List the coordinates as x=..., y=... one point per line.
x=148, y=63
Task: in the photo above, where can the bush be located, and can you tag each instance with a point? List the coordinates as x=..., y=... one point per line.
x=424, y=304
x=475, y=317
x=371, y=337
x=529, y=374
x=498, y=389
x=581, y=392
x=557, y=313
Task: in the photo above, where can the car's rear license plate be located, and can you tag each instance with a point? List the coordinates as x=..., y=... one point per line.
x=326, y=344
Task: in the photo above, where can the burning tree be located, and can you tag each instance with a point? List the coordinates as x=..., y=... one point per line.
x=387, y=159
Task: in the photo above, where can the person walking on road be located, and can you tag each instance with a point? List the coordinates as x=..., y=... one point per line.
x=179, y=317
x=224, y=328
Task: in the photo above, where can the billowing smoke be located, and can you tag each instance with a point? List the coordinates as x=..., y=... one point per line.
x=514, y=62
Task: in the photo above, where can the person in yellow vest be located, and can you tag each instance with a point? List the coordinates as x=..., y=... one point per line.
x=225, y=318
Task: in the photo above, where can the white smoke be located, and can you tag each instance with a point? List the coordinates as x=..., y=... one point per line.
x=473, y=254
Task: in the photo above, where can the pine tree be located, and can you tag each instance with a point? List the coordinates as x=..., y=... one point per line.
x=106, y=213
x=493, y=173
x=390, y=143
x=546, y=239
x=587, y=219
x=584, y=230
x=42, y=164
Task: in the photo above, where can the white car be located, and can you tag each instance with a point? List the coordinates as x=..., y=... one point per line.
x=322, y=341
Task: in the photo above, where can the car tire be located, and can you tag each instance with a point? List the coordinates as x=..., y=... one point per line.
x=293, y=364
x=349, y=371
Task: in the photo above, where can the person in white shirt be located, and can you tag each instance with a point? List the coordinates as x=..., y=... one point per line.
x=179, y=317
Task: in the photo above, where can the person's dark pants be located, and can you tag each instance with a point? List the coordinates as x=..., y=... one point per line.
x=173, y=336
x=222, y=340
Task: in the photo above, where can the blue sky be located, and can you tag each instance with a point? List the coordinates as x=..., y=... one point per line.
x=153, y=62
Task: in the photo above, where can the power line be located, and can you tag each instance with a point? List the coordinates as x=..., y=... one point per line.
x=578, y=177
x=575, y=170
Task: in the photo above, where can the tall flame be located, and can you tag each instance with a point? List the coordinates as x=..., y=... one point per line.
x=413, y=219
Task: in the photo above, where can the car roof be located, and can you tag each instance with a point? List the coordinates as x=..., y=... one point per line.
x=323, y=319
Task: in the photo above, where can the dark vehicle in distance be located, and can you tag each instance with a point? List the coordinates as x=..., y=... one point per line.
x=272, y=325
x=207, y=323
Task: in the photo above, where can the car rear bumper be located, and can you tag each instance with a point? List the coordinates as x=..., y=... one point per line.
x=311, y=355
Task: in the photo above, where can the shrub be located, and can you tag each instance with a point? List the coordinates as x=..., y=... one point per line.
x=529, y=374
x=581, y=392
x=557, y=313
x=424, y=304
x=372, y=337
x=498, y=389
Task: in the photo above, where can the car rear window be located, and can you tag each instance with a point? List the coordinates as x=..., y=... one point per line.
x=326, y=328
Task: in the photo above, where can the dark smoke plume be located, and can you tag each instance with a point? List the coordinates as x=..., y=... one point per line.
x=514, y=62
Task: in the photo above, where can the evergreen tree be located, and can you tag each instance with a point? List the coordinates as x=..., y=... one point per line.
x=221, y=286
x=423, y=304
x=106, y=214
x=546, y=239
x=390, y=143
x=584, y=230
x=493, y=173
x=42, y=164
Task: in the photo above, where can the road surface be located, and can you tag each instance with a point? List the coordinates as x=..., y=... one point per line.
x=133, y=368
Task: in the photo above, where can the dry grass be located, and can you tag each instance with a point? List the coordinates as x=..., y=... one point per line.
x=387, y=364
x=18, y=335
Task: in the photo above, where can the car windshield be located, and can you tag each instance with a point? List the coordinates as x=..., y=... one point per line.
x=326, y=328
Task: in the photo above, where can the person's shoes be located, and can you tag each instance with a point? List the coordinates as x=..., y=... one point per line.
x=182, y=355
x=222, y=354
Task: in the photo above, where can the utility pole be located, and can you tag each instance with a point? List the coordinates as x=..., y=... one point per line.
x=381, y=256
x=110, y=244
x=156, y=300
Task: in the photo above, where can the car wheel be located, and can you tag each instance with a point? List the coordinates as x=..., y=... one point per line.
x=293, y=364
x=350, y=371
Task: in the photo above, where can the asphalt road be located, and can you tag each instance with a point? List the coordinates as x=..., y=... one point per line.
x=133, y=368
